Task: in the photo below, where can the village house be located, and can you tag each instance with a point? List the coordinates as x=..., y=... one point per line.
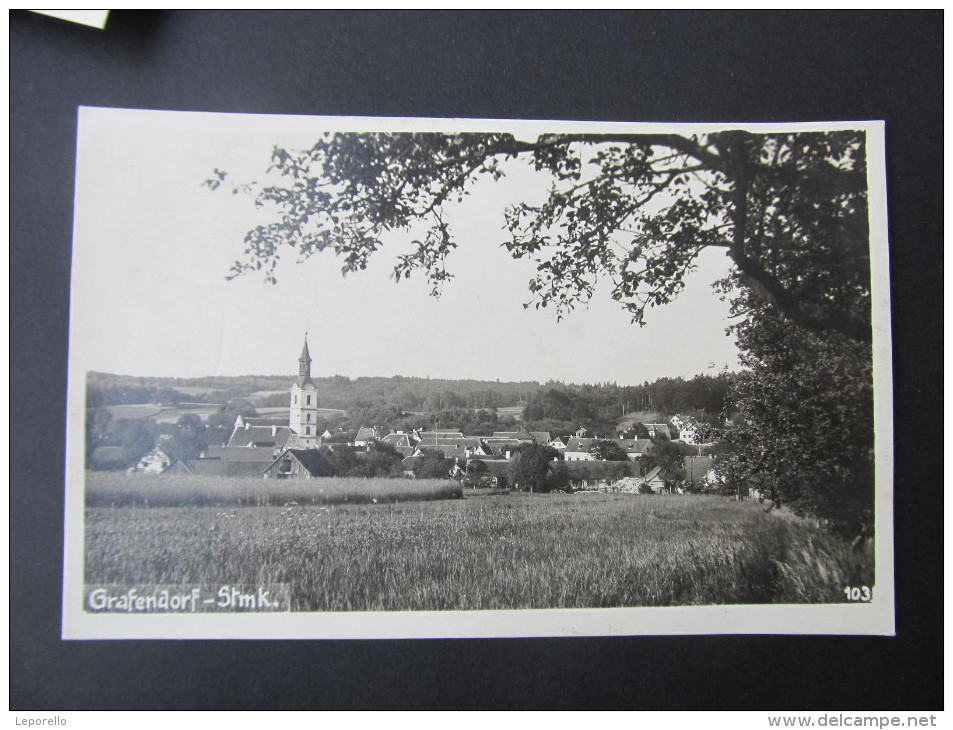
x=155, y=462
x=298, y=464
x=401, y=442
x=275, y=448
x=653, y=480
x=678, y=421
x=635, y=448
x=658, y=430
x=578, y=449
x=365, y=436
x=689, y=434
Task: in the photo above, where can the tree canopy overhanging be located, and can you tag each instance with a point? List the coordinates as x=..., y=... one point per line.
x=633, y=212
x=790, y=210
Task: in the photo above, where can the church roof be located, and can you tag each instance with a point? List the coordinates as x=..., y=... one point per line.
x=305, y=355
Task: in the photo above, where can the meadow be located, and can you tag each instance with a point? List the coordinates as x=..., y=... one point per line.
x=500, y=551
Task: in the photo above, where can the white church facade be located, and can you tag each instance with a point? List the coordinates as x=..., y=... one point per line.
x=303, y=417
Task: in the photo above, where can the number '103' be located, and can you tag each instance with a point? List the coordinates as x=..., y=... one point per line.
x=858, y=593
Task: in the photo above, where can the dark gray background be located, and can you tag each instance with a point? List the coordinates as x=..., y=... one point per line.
x=627, y=66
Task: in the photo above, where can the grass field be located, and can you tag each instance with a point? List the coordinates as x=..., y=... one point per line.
x=116, y=489
x=481, y=552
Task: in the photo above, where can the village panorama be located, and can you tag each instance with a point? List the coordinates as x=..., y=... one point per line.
x=758, y=479
x=487, y=496
x=642, y=452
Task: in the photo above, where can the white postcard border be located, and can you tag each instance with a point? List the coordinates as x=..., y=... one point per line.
x=874, y=618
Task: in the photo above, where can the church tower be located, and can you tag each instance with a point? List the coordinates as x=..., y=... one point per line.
x=304, y=402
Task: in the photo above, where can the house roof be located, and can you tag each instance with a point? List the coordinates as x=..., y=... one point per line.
x=423, y=435
x=208, y=467
x=268, y=421
x=250, y=454
x=312, y=460
x=365, y=432
x=542, y=436
x=498, y=447
x=243, y=468
x=654, y=475
x=659, y=428
x=635, y=446
x=455, y=447
x=519, y=435
x=261, y=436
x=579, y=444
x=397, y=439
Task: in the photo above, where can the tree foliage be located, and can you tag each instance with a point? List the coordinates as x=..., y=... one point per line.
x=535, y=468
x=805, y=430
x=632, y=212
x=608, y=451
x=669, y=456
x=433, y=465
x=636, y=209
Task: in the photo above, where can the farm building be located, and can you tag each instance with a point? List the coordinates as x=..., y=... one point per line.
x=298, y=464
x=655, y=482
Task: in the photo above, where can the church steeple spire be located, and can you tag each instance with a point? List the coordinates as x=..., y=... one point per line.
x=304, y=361
x=303, y=417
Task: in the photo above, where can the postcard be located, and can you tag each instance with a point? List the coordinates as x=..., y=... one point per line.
x=415, y=378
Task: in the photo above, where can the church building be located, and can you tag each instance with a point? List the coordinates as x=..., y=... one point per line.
x=304, y=402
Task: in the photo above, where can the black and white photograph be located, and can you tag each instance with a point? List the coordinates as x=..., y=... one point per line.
x=355, y=377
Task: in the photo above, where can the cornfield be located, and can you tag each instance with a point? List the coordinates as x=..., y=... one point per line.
x=500, y=551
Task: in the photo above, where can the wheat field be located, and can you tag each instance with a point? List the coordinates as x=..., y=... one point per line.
x=481, y=552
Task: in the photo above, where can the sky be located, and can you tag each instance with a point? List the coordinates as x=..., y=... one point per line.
x=152, y=247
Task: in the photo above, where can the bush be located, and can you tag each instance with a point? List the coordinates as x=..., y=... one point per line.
x=475, y=466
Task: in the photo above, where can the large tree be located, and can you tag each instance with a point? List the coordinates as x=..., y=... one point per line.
x=789, y=209
x=537, y=468
x=633, y=211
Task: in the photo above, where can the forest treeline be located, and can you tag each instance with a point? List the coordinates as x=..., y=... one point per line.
x=550, y=401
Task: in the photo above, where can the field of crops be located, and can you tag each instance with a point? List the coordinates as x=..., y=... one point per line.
x=117, y=489
x=480, y=552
